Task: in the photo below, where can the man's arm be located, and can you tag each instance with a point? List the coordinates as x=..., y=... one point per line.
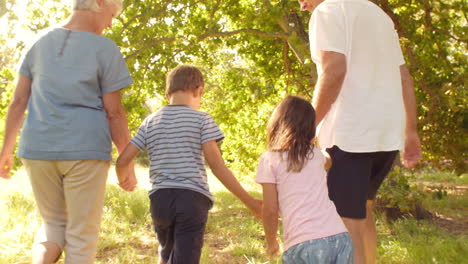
x=412, y=152
x=329, y=83
x=14, y=121
x=225, y=176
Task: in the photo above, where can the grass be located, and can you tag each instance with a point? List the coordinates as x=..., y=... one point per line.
x=232, y=235
x=436, y=176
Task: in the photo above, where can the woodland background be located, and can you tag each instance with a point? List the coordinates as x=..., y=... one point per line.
x=255, y=52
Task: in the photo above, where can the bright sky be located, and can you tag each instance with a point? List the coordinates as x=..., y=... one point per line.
x=22, y=33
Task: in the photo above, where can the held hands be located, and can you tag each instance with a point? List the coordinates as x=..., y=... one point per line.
x=128, y=181
x=256, y=208
x=412, y=152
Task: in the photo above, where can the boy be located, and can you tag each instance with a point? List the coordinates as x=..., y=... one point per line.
x=177, y=137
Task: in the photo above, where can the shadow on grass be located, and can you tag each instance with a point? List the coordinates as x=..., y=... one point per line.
x=233, y=235
x=419, y=241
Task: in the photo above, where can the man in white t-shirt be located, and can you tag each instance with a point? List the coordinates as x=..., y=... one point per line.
x=365, y=108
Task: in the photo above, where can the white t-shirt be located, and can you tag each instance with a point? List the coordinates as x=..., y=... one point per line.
x=305, y=208
x=368, y=114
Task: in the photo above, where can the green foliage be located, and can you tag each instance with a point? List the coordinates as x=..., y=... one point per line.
x=232, y=235
x=434, y=39
x=253, y=53
x=419, y=242
x=397, y=193
x=434, y=175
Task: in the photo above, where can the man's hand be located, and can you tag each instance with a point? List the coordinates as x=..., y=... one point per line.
x=412, y=152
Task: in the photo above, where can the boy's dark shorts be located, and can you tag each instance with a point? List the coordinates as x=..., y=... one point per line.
x=179, y=220
x=355, y=178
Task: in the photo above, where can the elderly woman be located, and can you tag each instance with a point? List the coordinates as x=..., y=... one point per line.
x=70, y=82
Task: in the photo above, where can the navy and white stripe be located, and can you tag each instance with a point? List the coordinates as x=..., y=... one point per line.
x=173, y=137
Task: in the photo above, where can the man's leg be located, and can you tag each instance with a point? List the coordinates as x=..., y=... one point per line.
x=369, y=235
x=382, y=163
x=355, y=228
x=348, y=187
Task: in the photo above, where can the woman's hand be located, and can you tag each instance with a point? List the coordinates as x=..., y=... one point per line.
x=128, y=181
x=6, y=163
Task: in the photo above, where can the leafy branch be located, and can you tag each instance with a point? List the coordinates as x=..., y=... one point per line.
x=209, y=35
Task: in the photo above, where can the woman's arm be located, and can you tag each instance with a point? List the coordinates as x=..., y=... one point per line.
x=13, y=124
x=124, y=167
x=120, y=134
x=117, y=120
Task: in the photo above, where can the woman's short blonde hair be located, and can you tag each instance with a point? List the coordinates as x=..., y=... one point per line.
x=93, y=6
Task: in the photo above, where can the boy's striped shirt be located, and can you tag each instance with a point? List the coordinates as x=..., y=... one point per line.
x=173, y=137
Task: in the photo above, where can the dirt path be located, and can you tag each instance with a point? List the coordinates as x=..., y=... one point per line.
x=454, y=220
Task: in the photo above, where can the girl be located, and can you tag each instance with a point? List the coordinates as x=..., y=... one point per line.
x=293, y=178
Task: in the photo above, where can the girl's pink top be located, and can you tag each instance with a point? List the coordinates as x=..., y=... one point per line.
x=307, y=212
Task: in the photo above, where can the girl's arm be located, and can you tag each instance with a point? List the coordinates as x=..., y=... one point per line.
x=125, y=169
x=225, y=176
x=270, y=217
x=328, y=160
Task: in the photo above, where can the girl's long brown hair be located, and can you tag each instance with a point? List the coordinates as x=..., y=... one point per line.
x=291, y=129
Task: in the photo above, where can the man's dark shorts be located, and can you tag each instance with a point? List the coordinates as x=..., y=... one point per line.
x=179, y=220
x=355, y=178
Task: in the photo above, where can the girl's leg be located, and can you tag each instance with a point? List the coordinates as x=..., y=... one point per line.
x=317, y=251
x=47, y=186
x=84, y=187
x=345, y=251
x=336, y=249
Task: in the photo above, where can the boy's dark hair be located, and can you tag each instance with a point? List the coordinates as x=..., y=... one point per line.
x=183, y=77
x=291, y=129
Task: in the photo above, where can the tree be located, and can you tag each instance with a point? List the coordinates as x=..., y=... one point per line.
x=253, y=53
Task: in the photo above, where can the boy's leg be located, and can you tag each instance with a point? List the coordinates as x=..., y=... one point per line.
x=47, y=187
x=84, y=188
x=191, y=216
x=162, y=208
